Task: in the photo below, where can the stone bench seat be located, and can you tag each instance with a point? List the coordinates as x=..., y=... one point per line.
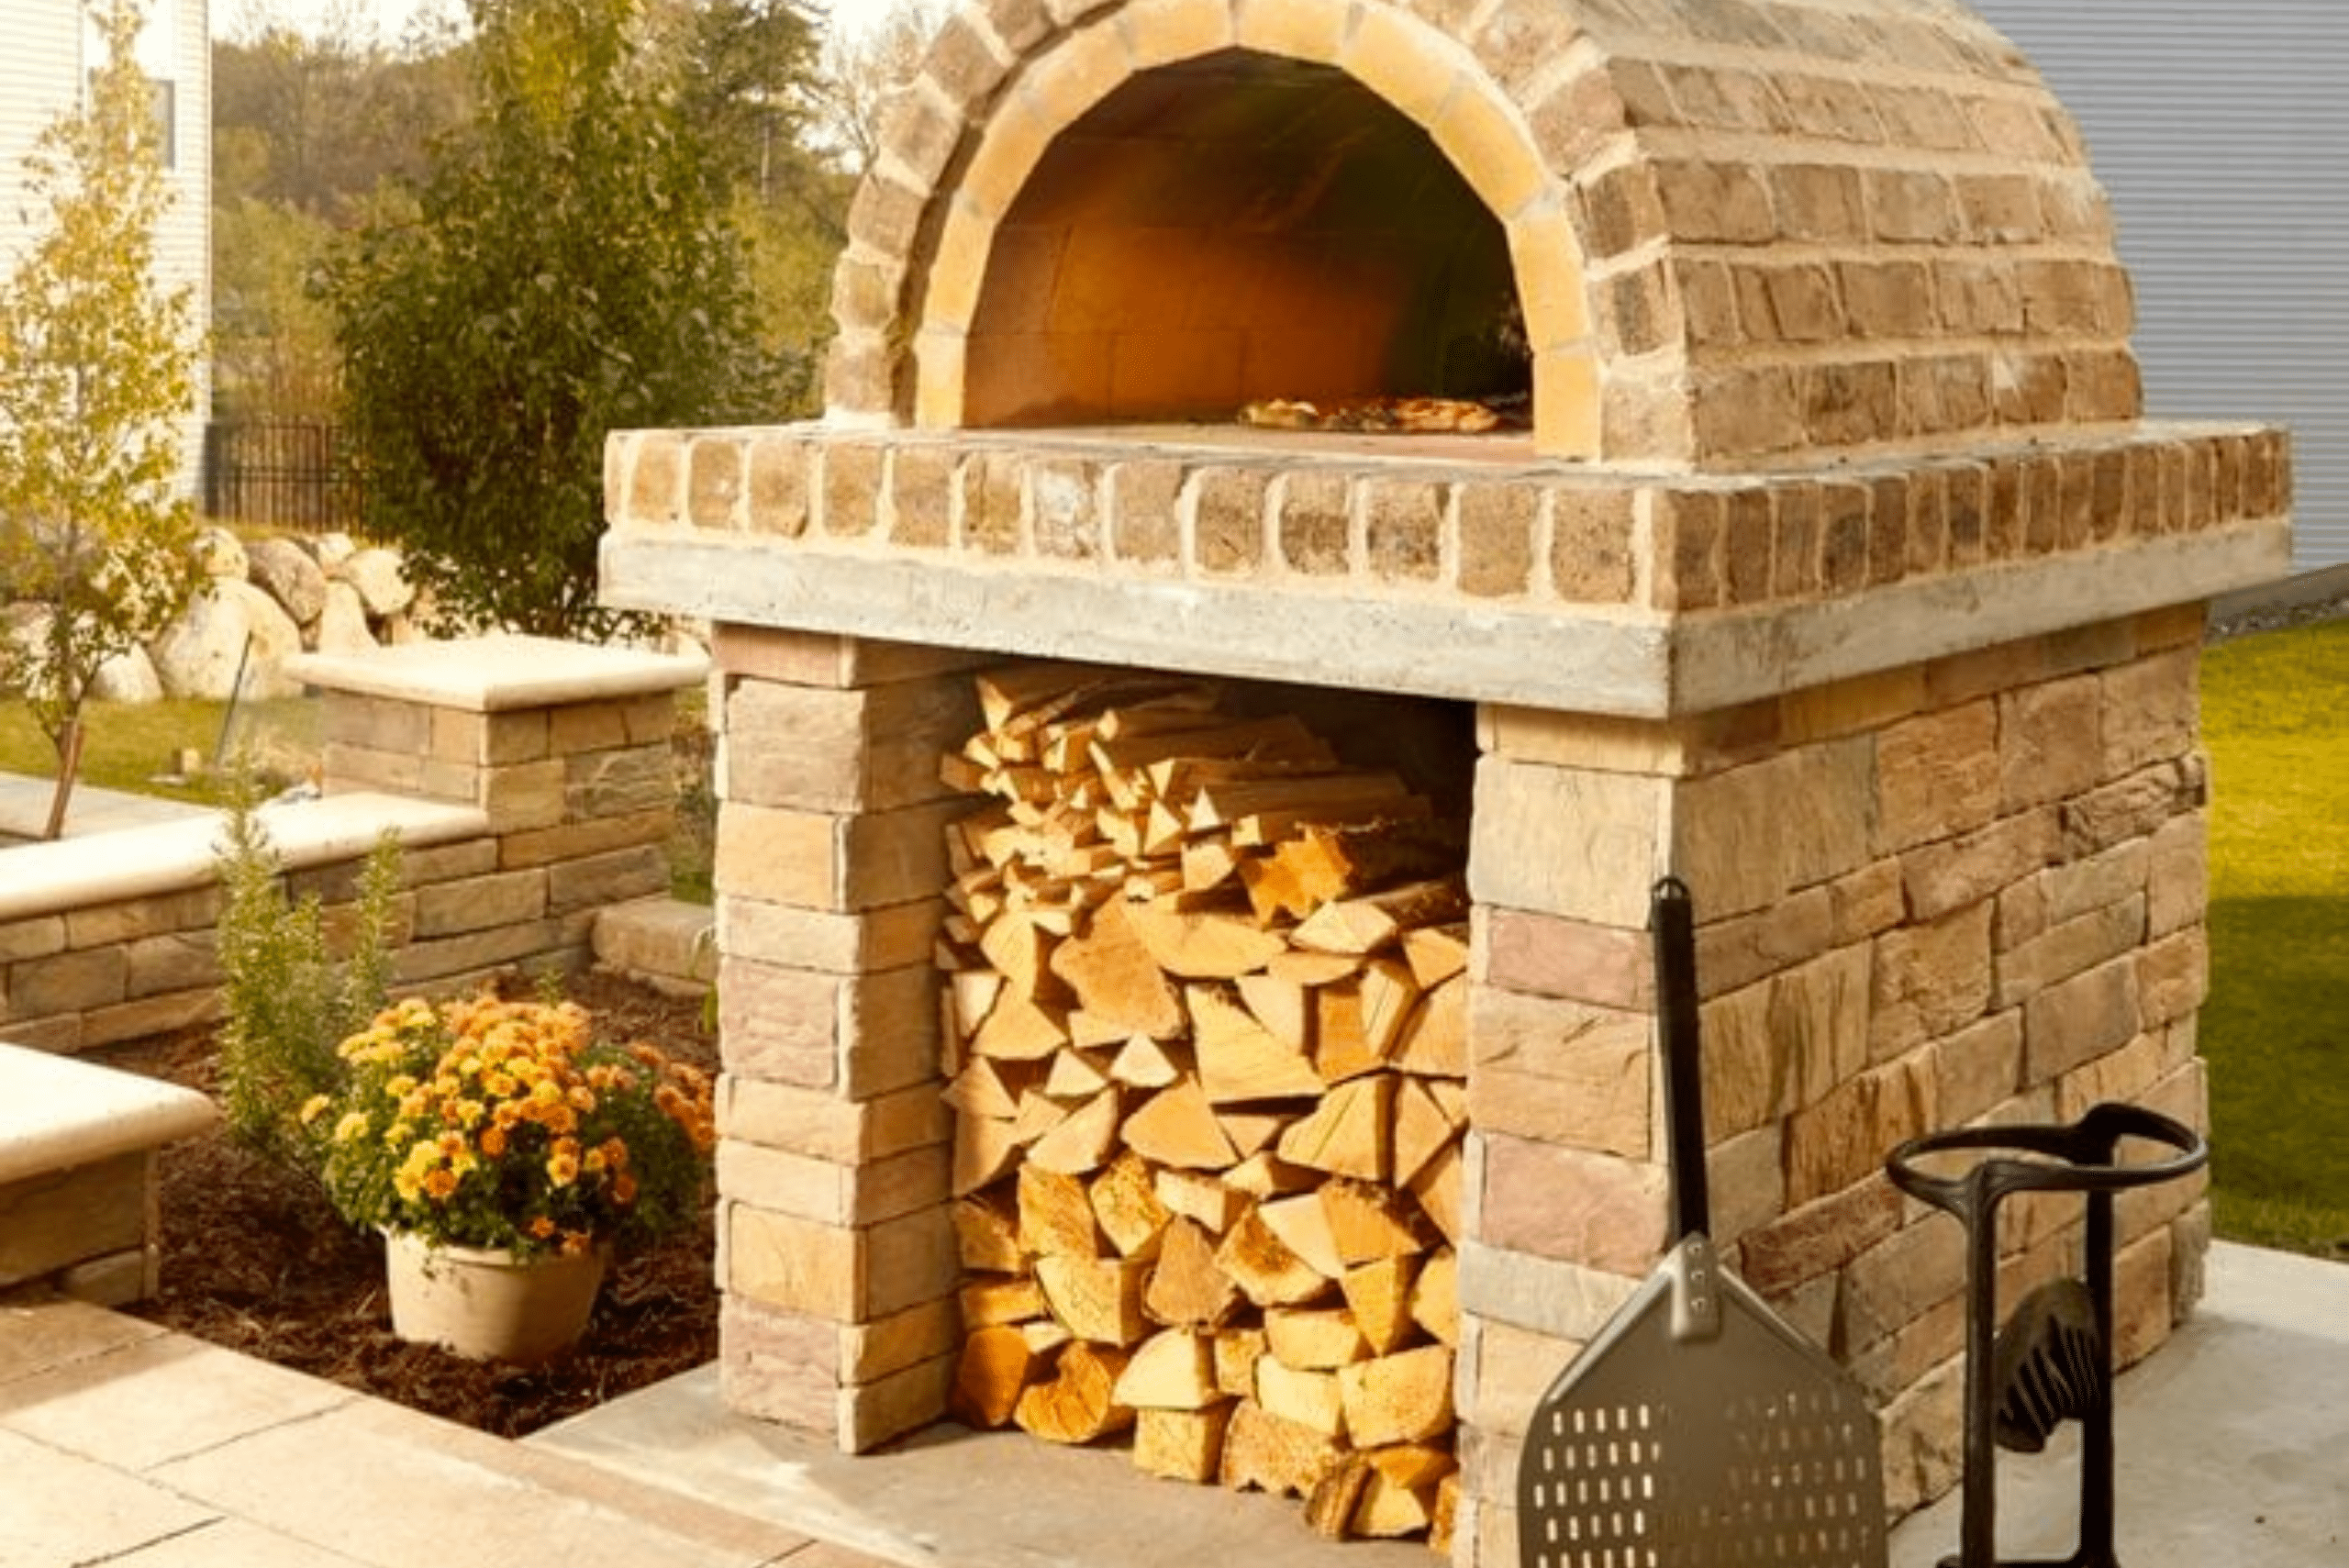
x=78, y=1147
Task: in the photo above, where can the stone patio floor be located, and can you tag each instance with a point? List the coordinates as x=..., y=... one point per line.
x=123, y=1444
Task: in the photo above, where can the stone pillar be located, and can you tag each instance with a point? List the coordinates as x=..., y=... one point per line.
x=1966, y=890
x=837, y=1251
x=565, y=750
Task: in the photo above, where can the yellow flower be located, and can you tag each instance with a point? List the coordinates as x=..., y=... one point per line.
x=440, y=1185
x=493, y=1140
x=315, y=1108
x=351, y=1128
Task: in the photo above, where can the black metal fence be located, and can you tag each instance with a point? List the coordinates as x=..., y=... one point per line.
x=284, y=473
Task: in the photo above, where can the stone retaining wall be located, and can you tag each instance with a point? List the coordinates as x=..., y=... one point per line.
x=528, y=782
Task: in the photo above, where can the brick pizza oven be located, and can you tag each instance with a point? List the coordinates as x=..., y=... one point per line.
x=1833, y=569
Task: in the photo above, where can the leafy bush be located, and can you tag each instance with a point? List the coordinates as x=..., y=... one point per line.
x=289, y=997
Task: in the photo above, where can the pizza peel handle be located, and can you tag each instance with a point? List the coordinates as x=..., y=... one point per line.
x=1697, y=1429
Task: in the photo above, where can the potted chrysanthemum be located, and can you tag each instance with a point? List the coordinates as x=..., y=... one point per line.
x=502, y=1149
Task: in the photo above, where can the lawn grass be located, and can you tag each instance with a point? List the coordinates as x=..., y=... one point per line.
x=2276, y=1028
x=134, y=746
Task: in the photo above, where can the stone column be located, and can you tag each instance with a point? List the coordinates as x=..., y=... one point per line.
x=837, y=1249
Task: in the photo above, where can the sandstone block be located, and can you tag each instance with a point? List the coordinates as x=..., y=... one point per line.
x=820, y=1125
x=2082, y=1017
x=1567, y=1204
x=2061, y=952
x=581, y=840
x=1747, y=837
x=809, y=1188
x=1931, y=979
x=619, y=780
x=1543, y=955
x=817, y=860
x=1979, y=1067
x=452, y=908
x=822, y=659
x=1938, y=775
x=2178, y=883
x=1949, y=875
x=1842, y=1139
x=1553, y=1297
x=2174, y=976
x=1783, y=1042
x=52, y=1222
x=1747, y=947
x=524, y=794
x=1560, y=1073
x=1812, y=1242
x=1505, y=1369
x=72, y=982
x=617, y=876
x=1565, y=841
x=778, y=1365
x=871, y=1414
x=889, y=936
x=870, y=747
x=863, y=1034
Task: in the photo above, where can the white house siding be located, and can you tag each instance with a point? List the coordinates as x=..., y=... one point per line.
x=41, y=69
x=2220, y=129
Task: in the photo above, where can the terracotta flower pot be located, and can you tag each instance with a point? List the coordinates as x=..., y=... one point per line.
x=486, y=1304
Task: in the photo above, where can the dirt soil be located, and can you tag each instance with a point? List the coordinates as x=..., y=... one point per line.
x=254, y=1259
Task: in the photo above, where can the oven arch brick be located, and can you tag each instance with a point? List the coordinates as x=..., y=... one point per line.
x=1627, y=150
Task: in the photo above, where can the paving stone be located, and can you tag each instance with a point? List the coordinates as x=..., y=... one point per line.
x=154, y=1400
x=65, y=1509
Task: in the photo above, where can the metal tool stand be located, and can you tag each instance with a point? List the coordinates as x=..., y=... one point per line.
x=2076, y=1158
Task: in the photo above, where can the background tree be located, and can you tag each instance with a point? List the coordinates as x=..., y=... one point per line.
x=570, y=269
x=95, y=366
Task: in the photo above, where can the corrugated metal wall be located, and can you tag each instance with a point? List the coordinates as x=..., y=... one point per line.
x=2221, y=129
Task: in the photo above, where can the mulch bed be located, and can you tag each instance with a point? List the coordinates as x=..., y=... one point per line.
x=255, y=1260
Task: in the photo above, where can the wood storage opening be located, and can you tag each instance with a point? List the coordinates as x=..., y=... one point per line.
x=1206, y=1036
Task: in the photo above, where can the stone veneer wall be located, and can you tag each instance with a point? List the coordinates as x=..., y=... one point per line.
x=1966, y=890
x=1969, y=888
x=529, y=781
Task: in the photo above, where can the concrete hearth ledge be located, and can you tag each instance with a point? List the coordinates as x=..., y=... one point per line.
x=1606, y=660
x=500, y=672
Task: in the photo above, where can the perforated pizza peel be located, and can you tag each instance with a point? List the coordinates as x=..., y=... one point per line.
x=1699, y=1429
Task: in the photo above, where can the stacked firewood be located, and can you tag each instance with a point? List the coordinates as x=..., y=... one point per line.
x=1206, y=1000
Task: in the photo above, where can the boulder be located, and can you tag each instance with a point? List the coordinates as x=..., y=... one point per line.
x=221, y=554
x=199, y=653
x=128, y=677
x=341, y=626
x=382, y=587
x=285, y=572
x=331, y=549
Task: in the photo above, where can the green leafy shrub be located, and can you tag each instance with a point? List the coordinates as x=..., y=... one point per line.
x=289, y=997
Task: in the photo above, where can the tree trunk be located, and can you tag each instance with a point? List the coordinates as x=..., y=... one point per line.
x=69, y=768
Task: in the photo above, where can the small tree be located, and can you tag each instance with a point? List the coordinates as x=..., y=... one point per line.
x=96, y=364
x=568, y=268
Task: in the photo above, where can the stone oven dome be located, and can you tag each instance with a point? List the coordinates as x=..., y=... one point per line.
x=1733, y=231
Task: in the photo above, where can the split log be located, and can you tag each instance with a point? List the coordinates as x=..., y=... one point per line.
x=1266, y=1271
x=1237, y=1350
x=1314, y=1339
x=988, y=1300
x=987, y=1234
x=1084, y=1139
x=1204, y=946
x=1239, y=1057
x=1187, y=1287
x=987, y=1088
x=984, y=1149
x=996, y=1365
x=1114, y=977
x=1171, y=1370
x=1349, y=1133
x=1437, y=1187
x=1435, y=1297
x=1422, y=1129
x=1379, y=1295
x=1177, y=1127
x=1401, y=1496
x=1200, y=1198
x=1127, y=1207
x=1077, y=1405
x=1263, y=1450
x=1303, y=1226
x=1098, y=1299
x=1436, y=953
x=1405, y=1398
x=1433, y=1040
x=1181, y=1445
x=1366, y=1221
x=1331, y=1506
x=1056, y=1216
x=1142, y=1063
